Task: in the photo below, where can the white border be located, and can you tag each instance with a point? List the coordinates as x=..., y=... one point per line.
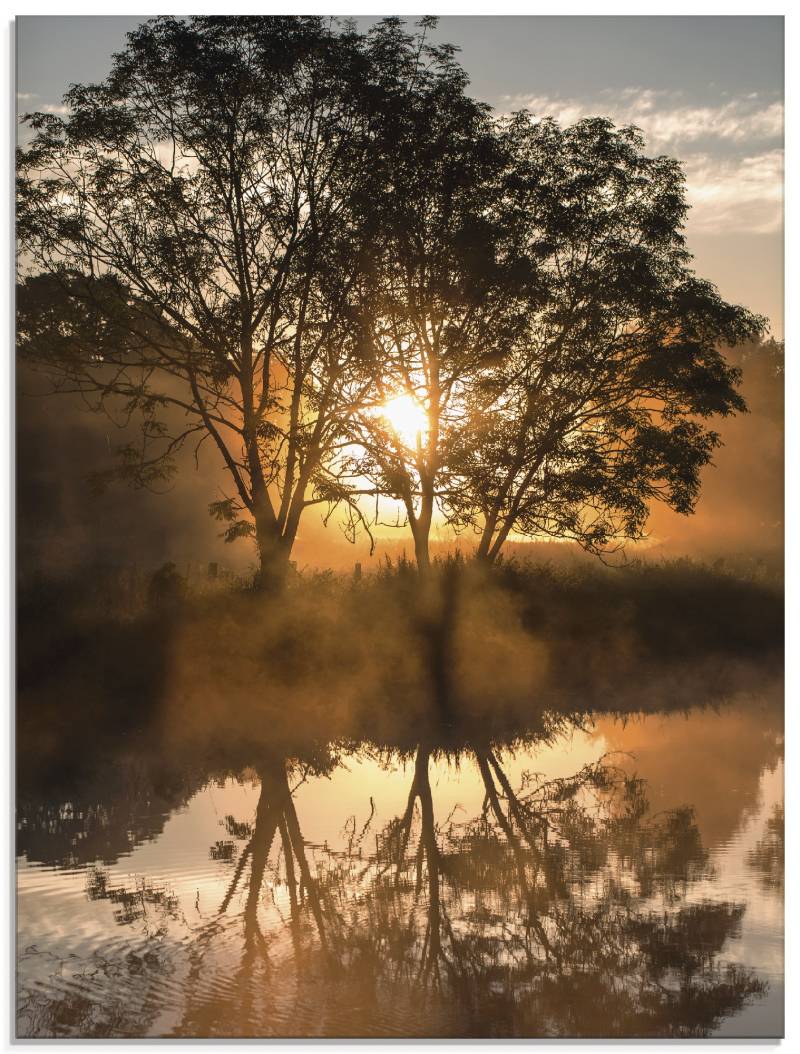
x=445, y=7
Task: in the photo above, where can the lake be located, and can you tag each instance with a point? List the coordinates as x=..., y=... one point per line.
x=602, y=876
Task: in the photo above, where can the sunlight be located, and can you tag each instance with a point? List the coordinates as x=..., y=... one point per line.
x=406, y=417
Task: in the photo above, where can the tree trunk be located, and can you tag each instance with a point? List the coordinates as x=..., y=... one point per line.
x=423, y=784
x=492, y=541
x=421, y=528
x=484, y=545
x=421, y=548
x=273, y=559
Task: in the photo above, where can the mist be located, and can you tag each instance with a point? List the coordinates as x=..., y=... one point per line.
x=65, y=524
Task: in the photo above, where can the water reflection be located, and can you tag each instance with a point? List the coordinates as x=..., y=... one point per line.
x=525, y=888
x=768, y=854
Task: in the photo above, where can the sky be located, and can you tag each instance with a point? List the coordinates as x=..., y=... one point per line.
x=708, y=90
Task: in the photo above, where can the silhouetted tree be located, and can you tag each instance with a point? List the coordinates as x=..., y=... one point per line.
x=444, y=288
x=192, y=232
x=601, y=406
x=261, y=230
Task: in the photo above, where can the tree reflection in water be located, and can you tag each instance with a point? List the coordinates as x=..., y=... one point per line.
x=562, y=909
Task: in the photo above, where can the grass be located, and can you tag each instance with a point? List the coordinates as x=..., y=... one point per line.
x=385, y=659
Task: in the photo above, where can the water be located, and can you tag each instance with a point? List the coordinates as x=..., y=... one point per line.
x=621, y=877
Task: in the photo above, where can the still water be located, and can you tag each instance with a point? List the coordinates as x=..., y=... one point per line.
x=619, y=877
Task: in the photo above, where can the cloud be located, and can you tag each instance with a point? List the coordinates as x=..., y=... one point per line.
x=45, y=107
x=731, y=152
x=735, y=194
x=665, y=118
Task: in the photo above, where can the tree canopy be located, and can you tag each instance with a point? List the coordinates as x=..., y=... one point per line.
x=444, y=291
x=264, y=230
x=201, y=206
x=599, y=407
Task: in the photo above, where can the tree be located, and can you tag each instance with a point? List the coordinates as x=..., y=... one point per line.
x=600, y=407
x=192, y=234
x=442, y=292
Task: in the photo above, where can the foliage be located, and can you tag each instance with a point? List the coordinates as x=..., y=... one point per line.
x=192, y=230
x=600, y=407
x=261, y=230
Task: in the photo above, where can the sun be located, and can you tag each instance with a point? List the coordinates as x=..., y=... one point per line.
x=406, y=417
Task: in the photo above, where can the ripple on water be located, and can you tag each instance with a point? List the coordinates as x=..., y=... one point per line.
x=176, y=936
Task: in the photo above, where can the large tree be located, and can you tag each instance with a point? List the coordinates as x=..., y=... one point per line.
x=600, y=405
x=446, y=284
x=192, y=230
